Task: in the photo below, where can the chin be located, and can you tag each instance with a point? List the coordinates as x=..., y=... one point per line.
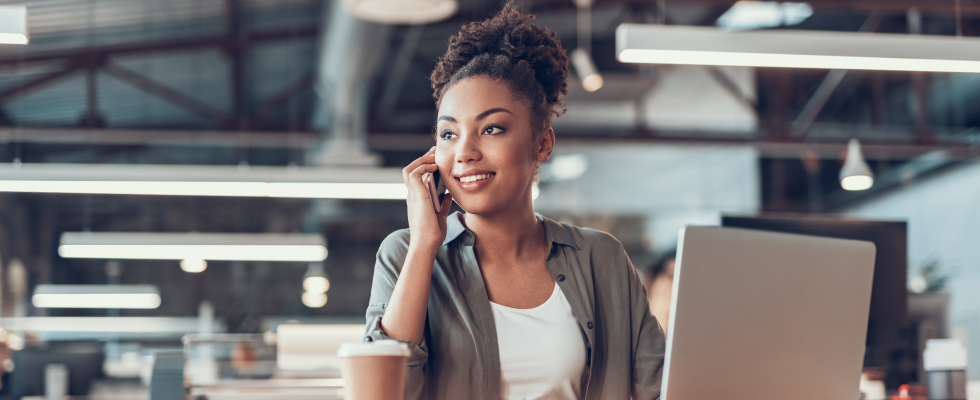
x=482, y=203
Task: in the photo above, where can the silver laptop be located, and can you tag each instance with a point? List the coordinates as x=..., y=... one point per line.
x=764, y=316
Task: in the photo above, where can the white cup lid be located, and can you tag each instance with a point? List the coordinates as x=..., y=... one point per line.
x=375, y=348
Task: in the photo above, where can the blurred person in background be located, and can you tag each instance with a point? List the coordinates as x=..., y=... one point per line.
x=500, y=302
x=659, y=281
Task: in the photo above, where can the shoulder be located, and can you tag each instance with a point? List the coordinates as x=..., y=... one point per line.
x=397, y=240
x=597, y=239
x=393, y=250
x=592, y=240
x=590, y=245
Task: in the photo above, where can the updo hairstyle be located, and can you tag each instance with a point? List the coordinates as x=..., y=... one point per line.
x=510, y=49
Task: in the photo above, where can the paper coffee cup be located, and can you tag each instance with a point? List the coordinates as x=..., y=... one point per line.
x=374, y=370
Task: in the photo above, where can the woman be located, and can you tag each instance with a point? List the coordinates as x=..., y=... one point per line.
x=499, y=302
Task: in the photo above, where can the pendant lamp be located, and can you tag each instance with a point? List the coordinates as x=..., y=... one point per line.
x=402, y=12
x=855, y=174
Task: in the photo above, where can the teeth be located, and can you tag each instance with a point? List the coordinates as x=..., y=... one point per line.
x=474, y=178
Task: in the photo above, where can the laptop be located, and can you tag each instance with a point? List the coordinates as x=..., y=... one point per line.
x=761, y=315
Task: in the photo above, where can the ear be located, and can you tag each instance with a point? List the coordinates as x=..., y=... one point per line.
x=545, y=145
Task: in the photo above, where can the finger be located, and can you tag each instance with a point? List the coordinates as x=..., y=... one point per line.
x=415, y=163
x=428, y=158
x=415, y=177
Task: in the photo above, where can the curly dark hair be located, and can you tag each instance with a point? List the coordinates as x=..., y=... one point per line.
x=509, y=48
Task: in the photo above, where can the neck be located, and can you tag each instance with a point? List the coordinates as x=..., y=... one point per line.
x=508, y=234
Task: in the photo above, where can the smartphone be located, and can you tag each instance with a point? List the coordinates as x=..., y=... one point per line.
x=437, y=190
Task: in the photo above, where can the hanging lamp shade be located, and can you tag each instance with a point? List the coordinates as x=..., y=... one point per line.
x=855, y=174
x=402, y=12
x=586, y=70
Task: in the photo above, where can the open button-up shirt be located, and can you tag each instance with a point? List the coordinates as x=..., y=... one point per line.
x=459, y=358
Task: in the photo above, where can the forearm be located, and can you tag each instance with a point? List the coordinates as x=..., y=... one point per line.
x=404, y=317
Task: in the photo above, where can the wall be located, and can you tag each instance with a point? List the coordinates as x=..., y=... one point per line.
x=943, y=213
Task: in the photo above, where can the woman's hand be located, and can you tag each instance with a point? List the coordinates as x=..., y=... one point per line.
x=427, y=228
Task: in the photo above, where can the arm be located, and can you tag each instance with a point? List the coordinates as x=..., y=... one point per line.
x=649, y=343
x=403, y=274
x=404, y=318
x=392, y=256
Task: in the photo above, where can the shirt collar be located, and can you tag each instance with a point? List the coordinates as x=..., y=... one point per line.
x=554, y=231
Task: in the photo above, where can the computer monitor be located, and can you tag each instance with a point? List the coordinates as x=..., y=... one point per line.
x=889, y=296
x=763, y=315
x=84, y=363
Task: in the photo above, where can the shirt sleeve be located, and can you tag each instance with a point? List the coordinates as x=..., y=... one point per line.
x=649, y=342
x=390, y=259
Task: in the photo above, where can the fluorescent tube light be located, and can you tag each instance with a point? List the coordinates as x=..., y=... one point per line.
x=660, y=44
x=96, y=296
x=170, y=180
x=13, y=24
x=143, y=325
x=378, y=191
x=194, y=246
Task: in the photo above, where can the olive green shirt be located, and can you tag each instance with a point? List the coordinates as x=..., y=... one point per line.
x=459, y=358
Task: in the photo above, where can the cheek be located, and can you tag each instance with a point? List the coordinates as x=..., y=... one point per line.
x=444, y=160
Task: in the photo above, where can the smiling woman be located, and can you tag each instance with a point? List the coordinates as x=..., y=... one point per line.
x=500, y=302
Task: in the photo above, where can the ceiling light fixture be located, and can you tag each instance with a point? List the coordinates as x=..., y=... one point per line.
x=581, y=57
x=199, y=180
x=13, y=25
x=586, y=70
x=855, y=174
x=286, y=247
x=96, y=296
x=402, y=12
x=315, y=279
x=314, y=299
x=687, y=45
x=193, y=265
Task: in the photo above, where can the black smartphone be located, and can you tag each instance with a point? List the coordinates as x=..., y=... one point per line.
x=437, y=190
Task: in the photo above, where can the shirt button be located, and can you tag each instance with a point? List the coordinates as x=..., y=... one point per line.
x=560, y=278
x=590, y=325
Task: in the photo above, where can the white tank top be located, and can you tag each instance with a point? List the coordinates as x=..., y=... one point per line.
x=542, y=353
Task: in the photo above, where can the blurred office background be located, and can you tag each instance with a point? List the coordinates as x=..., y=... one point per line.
x=128, y=95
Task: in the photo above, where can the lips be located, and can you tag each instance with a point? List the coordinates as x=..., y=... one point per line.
x=471, y=182
x=474, y=178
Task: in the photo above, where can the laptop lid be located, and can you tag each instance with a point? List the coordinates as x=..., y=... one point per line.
x=762, y=315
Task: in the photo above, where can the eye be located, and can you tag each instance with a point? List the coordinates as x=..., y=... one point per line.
x=445, y=135
x=493, y=130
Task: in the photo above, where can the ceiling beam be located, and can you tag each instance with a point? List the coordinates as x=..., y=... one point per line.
x=40, y=82
x=160, y=46
x=828, y=148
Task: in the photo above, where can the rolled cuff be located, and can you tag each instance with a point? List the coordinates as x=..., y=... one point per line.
x=419, y=352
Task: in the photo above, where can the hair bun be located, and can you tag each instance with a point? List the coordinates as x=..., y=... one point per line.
x=478, y=47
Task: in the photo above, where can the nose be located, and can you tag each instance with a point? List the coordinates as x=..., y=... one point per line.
x=468, y=149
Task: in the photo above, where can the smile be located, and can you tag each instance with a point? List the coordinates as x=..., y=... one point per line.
x=474, y=178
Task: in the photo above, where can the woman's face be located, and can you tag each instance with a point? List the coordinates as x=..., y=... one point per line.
x=485, y=146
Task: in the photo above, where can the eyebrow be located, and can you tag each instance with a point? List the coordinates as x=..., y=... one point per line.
x=481, y=116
